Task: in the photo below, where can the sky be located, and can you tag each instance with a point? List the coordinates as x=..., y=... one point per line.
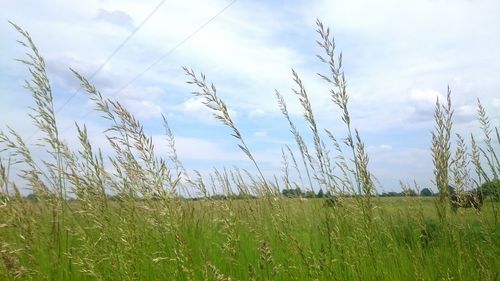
x=398, y=57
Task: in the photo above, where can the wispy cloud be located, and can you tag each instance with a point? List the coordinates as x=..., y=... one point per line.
x=116, y=17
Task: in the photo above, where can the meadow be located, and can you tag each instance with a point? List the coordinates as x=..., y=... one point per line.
x=250, y=239
x=122, y=217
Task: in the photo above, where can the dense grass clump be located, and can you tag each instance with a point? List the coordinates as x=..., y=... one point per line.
x=122, y=217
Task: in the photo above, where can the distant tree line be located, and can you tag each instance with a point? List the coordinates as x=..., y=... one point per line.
x=298, y=193
x=425, y=192
x=490, y=188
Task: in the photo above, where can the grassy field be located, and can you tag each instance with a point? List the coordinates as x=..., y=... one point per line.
x=254, y=239
x=127, y=216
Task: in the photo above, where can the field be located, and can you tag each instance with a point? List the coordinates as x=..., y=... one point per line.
x=252, y=239
x=132, y=215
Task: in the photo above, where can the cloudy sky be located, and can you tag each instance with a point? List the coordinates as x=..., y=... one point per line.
x=398, y=57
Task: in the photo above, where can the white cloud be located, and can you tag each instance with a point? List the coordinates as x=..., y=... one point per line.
x=381, y=147
x=256, y=113
x=260, y=134
x=143, y=109
x=385, y=146
x=420, y=104
x=189, y=148
x=194, y=105
x=407, y=164
x=465, y=113
x=194, y=108
x=426, y=97
x=496, y=103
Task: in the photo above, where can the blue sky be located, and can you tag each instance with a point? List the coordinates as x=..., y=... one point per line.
x=398, y=57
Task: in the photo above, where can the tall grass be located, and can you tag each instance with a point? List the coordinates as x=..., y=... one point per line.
x=121, y=217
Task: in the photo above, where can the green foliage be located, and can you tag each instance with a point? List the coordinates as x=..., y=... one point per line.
x=426, y=192
x=296, y=192
x=320, y=194
x=406, y=192
x=493, y=189
x=391, y=194
x=31, y=197
x=310, y=194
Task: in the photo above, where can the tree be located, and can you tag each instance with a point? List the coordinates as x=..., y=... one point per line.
x=391, y=194
x=310, y=194
x=292, y=192
x=492, y=188
x=426, y=192
x=32, y=197
x=320, y=194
